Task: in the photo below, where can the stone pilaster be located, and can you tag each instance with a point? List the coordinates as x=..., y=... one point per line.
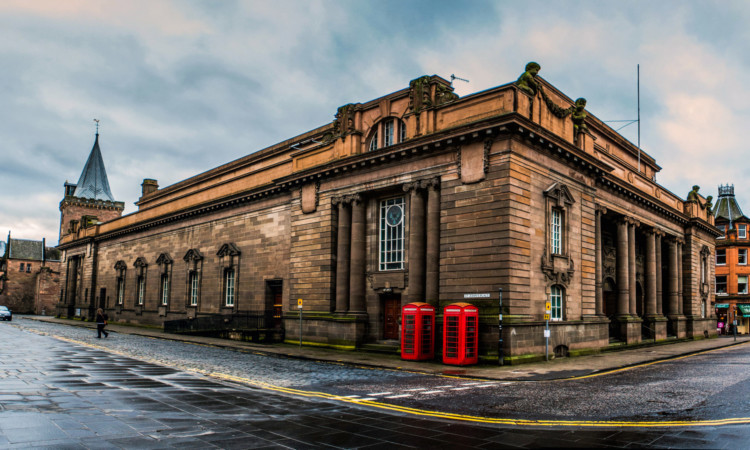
x=358, y=254
x=599, y=258
x=343, y=254
x=416, y=242
x=623, y=278
x=432, y=276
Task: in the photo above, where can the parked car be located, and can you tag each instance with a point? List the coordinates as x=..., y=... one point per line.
x=5, y=313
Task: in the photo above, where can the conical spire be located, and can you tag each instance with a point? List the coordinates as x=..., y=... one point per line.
x=93, y=181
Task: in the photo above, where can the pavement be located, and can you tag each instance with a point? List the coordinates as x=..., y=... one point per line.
x=558, y=368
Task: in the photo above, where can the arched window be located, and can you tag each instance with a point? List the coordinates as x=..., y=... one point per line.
x=387, y=132
x=556, y=298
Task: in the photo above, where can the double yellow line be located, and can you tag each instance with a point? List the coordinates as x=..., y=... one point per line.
x=453, y=416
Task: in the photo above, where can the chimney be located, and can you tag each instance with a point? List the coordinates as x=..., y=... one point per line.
x=148, y=186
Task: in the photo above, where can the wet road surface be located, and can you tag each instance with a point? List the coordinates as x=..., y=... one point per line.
x=135, y=392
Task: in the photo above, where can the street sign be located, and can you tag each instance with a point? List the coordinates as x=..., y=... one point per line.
x=548, y=306
x=480, y=295
x=546, y=333
x=546, y=317
x=299, y=303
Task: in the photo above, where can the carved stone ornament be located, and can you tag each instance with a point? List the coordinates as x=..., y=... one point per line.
x=140, y=262
x=347, y=199
x=228, y=249
x=560, y=193
x=420, y=95
x=556, y=274
x=163, y=259
x=192, y=255
x=527, y=81
x=343, y=122
x=120, y=265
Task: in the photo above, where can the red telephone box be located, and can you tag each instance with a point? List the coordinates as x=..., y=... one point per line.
x=460, y=334
x=418, y=331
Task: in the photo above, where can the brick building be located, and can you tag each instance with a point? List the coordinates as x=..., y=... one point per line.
x=732, y=270
x=29, y=276
x=418, y=195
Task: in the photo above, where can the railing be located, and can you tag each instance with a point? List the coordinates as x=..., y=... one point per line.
x=247, y=325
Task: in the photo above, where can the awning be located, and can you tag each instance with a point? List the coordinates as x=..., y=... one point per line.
x=745, y=309
x=721, y=305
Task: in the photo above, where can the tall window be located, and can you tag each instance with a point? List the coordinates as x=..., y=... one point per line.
x=742, y=256
x=193, y=281
x=742, y=231
x=556, y=301
x=721, y=284
x=229, y=287
x=723, y=229
x=721, y=257
x=141, y=289
x=703, y=309
x=556, y=231
x=120, y=290
x=165, y=289
x=392, y=234
x=386, y=133
x=742, y=284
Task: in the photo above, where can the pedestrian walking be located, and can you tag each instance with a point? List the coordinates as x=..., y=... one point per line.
x=101, y=322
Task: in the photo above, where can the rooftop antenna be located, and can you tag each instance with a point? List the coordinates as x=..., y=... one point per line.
x=453, y=78
x=97, y=125
x=638, y=119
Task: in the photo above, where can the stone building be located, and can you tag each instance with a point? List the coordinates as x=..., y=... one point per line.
x=29, y=276
x=418, y=195
x=732, y=270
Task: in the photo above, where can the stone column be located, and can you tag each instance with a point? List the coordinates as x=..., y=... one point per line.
x=342, y=255
x=681, y=299
x=673, y=292
x=631, y=268
x=659, y=285
x=416, y=243
x=432, y=278
x=623, y=280
x=650, y=309
x=358, y=251
x=599, y=273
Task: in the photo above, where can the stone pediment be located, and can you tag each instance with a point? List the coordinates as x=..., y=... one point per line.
x=561, y=193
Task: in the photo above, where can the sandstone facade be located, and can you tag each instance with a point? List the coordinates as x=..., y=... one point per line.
x=417, y=196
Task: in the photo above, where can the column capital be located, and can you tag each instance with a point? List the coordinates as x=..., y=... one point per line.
x=675, y=240
x=346, y=199
x=653, y=231
x=627, y=220
x=600, y=209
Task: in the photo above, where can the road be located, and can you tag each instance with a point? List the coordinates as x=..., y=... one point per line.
x=60, y=386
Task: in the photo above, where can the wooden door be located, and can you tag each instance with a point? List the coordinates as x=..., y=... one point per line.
x=392, y=316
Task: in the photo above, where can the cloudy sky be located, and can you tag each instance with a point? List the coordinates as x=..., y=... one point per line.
x=181, y=87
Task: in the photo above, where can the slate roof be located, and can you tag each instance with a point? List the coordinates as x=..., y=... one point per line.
x=93, y=182
x=727, y=207
x=25, y=249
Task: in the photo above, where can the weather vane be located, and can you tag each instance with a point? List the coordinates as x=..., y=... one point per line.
x=97, y=125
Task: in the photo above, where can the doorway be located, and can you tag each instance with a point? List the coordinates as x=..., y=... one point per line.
x=275, y=303
x=391, y=315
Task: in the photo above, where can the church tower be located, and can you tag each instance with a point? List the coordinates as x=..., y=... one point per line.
x=89, y=201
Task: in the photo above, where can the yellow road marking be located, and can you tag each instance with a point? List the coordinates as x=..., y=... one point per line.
x=441, y=414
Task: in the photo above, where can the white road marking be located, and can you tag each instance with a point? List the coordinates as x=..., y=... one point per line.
x=462, y=388
x=351, y=396
x=443, y=387
x=413, y=390
x=485, y=385
x=400, y=396
x=375, y=394
x=432, y=392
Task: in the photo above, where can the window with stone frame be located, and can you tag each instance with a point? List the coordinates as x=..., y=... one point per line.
x=28, y=267
x=742, y=256
x=120, y=268
x=387, y=132
x=194, y=261
x=164, y=261
x=721, y=284
x=741, y=231
x=723, y=229
x=229, y=263
x=20, y=269
x=391, y=234
x=721, y=256
x=556, y=299
x=141, y=269
x=557, y=264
